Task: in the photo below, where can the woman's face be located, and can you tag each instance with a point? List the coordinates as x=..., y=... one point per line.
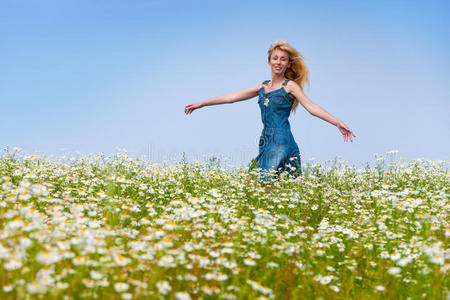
x=279, y=61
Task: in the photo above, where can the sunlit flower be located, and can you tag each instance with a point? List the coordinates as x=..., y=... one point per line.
x=127, y=296
x=166, y=261
x=249, y=262
x=88, y=282
x=13, y=263
x=121, y=260
x=384, y=254
x=121, y=287
x=394, y=270
x=96, y=275
x=35, y=287
x=169, y=225
x=326, y=279
x=163, y=287
x=334, y=288
x=7, y=288
x=48, y=257
x=395, y=256
x=182, y=296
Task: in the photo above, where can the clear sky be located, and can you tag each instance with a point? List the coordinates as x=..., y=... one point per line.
x=91, y=76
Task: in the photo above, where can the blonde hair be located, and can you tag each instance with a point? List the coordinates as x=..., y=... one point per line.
x=298, y=71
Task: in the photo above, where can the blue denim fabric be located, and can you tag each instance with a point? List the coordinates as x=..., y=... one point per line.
x=278, y=150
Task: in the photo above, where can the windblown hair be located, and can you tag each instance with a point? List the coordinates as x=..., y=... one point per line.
x=298, y=71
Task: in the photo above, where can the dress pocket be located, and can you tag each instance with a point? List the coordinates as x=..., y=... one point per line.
x=278, y=98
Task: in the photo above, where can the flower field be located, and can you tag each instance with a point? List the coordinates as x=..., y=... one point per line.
x=122, y=228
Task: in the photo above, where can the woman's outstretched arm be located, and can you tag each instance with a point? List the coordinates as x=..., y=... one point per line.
x=224, y=99
x=319, y=112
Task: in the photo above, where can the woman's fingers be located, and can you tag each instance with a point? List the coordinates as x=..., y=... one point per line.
x=188, y=109
x=350, y=134
x=347, y=133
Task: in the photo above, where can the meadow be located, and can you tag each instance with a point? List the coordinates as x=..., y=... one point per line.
x=118, y=227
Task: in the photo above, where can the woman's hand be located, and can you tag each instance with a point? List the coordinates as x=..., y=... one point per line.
x=191, y=107
x=346, y=132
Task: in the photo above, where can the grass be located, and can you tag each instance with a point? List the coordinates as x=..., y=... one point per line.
x=121, y=228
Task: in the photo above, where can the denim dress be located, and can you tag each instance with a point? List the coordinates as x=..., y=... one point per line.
x=278, y=150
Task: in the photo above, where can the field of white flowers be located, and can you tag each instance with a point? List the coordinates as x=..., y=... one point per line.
x=122, y=228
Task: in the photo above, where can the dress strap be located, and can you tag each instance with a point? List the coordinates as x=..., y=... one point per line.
x=284, y=83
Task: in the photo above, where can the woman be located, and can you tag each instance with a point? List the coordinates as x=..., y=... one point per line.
x=278, y=150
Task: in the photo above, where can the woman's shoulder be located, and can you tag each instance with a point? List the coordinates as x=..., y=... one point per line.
x=262, y=83
x=291, y=85
x=292, y=88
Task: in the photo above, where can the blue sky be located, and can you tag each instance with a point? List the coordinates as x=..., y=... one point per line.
x=91, y=76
